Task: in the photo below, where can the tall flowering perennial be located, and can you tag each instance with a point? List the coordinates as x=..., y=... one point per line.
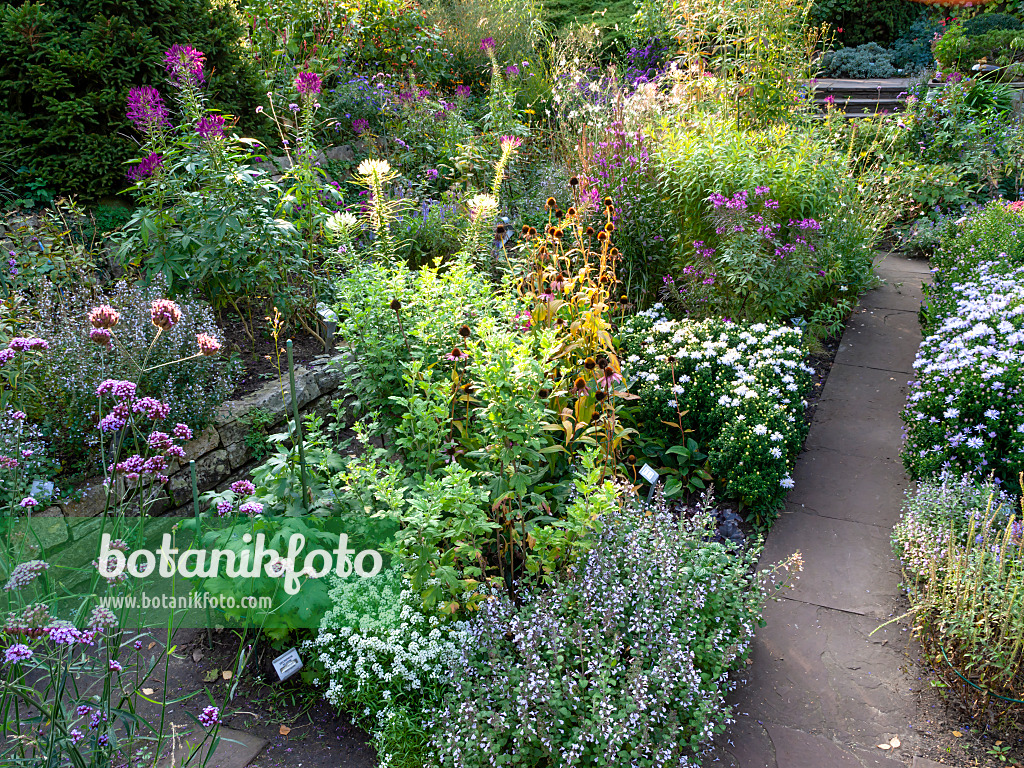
x=147, y=111
x=308, y=83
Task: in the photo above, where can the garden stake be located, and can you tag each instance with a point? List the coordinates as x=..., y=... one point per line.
x=195, y=510
x=298, y=426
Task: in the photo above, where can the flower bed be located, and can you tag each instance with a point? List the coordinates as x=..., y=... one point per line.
x=737, y=387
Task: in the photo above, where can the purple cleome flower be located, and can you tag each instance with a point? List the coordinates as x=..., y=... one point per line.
x=146, y=167
x=308, y=83
x=146, y=110
x=211, y=127
x=184, y=64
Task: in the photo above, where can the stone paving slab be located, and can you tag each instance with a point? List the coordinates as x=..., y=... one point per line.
x=822, y=672
x=847, y=565
x=895, y=262
x=236, y=749
x=924, y=762
x=858, y=413
x=902, y=333
x=861, y=489
x=898, y=294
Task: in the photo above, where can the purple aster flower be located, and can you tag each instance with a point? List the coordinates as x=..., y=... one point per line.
x=211, y=126
x=146, y=167
x=146, y=109
x=307, y=83
x=185, y=65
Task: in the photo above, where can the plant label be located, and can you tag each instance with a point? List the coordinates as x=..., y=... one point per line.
x=648, y=473
x=287, y=664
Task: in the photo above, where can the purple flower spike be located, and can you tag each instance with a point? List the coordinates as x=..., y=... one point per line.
x=185, y=65
x=146, y=110
x=308, y=83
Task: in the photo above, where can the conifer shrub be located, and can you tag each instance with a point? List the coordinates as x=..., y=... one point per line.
x=65, y=70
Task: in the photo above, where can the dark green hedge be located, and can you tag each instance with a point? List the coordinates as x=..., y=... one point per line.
x=65, y=70
x=866, y=21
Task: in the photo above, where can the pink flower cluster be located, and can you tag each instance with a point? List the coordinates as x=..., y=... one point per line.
x=165, y=314
x=127, y=404
x=166, y=449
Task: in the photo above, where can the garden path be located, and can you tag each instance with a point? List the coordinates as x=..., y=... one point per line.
x=820, y=692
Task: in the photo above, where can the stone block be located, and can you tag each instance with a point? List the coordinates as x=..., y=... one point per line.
x=201, y=444
x=92, y=502
x=209, y=469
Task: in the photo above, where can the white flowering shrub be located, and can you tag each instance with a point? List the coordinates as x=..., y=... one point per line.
x=386, y=660
x=624, y=663
x=965, y=412
x=738, y=387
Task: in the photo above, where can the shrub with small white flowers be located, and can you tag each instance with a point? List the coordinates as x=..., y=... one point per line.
x=386, y=660
x=739, y=387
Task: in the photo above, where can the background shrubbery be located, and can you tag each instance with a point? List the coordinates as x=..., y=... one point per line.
x=65, y=70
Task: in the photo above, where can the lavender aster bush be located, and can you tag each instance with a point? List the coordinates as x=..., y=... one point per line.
x=626, y=662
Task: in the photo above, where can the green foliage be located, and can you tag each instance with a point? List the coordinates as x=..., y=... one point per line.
x=881, y=21
x=912, y=52
x=256, y=422
x=863, y=62
x=65, y=71
x=806, y=179
x=958, y=51
x=979, y=25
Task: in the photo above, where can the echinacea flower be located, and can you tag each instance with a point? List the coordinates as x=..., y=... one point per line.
x=456, y=355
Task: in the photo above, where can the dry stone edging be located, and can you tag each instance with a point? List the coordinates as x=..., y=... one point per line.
x=219, y=450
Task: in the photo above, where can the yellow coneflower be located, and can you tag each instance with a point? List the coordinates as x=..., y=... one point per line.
x=602, y=235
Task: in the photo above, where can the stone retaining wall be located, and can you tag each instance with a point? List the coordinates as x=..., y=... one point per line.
x=219, y=451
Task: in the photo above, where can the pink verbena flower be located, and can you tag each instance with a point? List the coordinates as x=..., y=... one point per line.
x=6, y=355
x=307, y=83
x=208, y=345
x=164, y=314
x=152, y=408
x=101, y=336
x=122, y=390
x=182, y=432
x=184, y=64
x=224, y=507
x=17, y=653
x=104, y=316
x=28, y=502
x=146, y=109
x=243, y=488
x=209, y=717
x=251, y=508
x=24, y=574
x=23, y=344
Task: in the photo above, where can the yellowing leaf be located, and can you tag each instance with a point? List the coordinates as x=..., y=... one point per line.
x=148, y=691
x=226, y=674
x=284, y=730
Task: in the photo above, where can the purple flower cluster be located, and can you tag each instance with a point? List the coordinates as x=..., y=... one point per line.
x=124, y=392
x=184, y=65
x=360, y=125
x=146, y=110
x=211, y=127
x=209, y=717
x=308, y=83
x=145, y=168
x=24, y=574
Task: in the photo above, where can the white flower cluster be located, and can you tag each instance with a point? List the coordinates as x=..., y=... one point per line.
x=381, y=651
x=739, y=386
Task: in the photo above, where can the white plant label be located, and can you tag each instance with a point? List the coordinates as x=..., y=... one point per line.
x=287, y=664
x=648, y=473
